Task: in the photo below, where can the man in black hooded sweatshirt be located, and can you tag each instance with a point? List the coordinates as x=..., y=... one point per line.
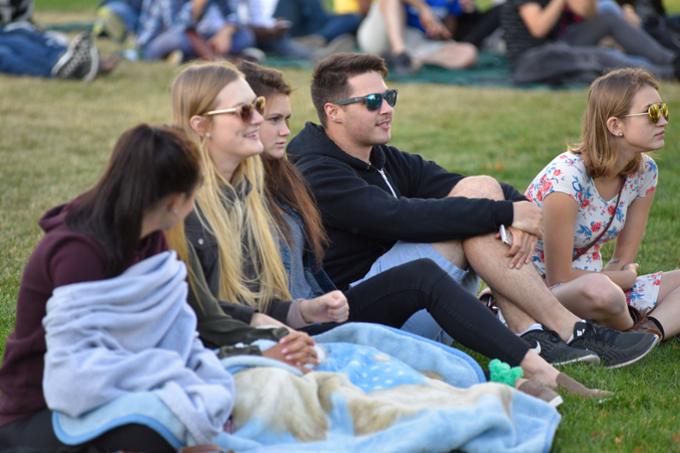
x=383, y=207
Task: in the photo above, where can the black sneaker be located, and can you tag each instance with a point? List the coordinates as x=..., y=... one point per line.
x=80, y=61
x=554, y=350
x=616, y=349
x=400, y=64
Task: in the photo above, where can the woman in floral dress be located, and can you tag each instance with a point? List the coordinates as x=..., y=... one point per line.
x=603, y=189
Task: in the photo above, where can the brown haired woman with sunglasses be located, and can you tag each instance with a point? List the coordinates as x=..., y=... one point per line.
x=600, y=190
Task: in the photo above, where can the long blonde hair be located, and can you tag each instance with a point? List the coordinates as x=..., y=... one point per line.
x=609, y=96
x=242, y=226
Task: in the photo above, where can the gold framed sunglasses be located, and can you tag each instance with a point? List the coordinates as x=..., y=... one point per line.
x=245, y=111
x=654, y=112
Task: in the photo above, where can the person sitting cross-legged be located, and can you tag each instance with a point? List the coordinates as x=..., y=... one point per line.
x=383, y=207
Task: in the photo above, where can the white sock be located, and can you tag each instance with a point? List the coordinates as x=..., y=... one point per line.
x=534, y=326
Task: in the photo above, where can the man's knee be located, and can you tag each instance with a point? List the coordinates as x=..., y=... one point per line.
x=481, y=186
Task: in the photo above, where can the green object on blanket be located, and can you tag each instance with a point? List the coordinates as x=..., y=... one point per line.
x=503, y=373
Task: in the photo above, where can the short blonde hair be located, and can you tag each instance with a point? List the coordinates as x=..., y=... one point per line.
x=610, y=95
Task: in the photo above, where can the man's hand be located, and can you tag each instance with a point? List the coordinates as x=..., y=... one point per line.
x=528, y=217
x=331, y=307
x=295, y=349
x=522, y=248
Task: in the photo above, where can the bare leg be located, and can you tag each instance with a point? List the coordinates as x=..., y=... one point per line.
x=595, y=296
x=453, y=55
x=395, y=22
x=667, y=311
x=522, y=287
x=517, y=320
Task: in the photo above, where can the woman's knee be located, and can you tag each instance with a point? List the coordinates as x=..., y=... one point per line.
x=603, y=295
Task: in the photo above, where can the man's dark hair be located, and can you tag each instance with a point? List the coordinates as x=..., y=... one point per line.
x=329, y=81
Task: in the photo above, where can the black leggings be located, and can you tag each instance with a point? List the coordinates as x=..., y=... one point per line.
x=392, y=296
x=35, y=434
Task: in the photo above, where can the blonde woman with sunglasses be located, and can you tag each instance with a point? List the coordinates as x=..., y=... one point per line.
x=601, y=190
x=227, y=242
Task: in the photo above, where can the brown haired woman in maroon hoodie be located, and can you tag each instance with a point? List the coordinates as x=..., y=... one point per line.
x=147, y=187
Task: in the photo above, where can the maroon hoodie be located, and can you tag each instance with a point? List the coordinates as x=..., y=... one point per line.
x=62, y=257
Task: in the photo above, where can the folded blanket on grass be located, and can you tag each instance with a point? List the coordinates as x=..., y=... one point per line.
x=491, y=70
x=134, y=333
x=372, y=393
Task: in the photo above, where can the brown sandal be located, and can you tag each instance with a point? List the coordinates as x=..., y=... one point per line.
x=572, y=387
x=540, y=391
x=206, y=448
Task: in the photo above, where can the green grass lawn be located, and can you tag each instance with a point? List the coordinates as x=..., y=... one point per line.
x=55, y=137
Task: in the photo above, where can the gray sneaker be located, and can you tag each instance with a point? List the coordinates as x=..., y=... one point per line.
x=554, y=350
x=616, y=349
x=80, y=61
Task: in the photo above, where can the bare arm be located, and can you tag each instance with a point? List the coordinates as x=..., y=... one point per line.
x=197, y=8
x=584, y=8
x=559, y=217
x=539, y=21
x=630, y=238
x=364, y=6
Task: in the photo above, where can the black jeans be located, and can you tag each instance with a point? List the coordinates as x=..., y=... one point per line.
x=34, y=434
x=392, y=296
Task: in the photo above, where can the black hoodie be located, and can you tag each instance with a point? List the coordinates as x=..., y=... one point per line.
x=365, y=216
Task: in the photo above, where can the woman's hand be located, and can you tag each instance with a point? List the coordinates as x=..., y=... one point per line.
x=295, y=349
x=331, y=307
x=625, y=277
x=632, y=269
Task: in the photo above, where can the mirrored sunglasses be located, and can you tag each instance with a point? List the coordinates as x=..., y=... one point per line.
x=654, y=112
x=245, y=111
x=372, y=101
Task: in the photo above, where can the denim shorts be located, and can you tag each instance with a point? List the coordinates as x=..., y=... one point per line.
x=422, y=323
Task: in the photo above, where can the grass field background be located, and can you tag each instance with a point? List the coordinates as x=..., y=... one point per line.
x=55, y=137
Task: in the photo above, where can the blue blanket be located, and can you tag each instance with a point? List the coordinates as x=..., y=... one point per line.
x=378, y=390
x=134, y=333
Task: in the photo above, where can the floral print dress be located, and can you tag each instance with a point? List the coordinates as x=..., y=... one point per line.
x=567, y=174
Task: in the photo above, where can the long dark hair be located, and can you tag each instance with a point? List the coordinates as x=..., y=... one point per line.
x=147, y=164
x=283, y=182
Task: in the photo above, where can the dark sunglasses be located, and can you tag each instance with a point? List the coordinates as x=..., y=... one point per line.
x=654, y=112
x=372, y=101
x=245, y=111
